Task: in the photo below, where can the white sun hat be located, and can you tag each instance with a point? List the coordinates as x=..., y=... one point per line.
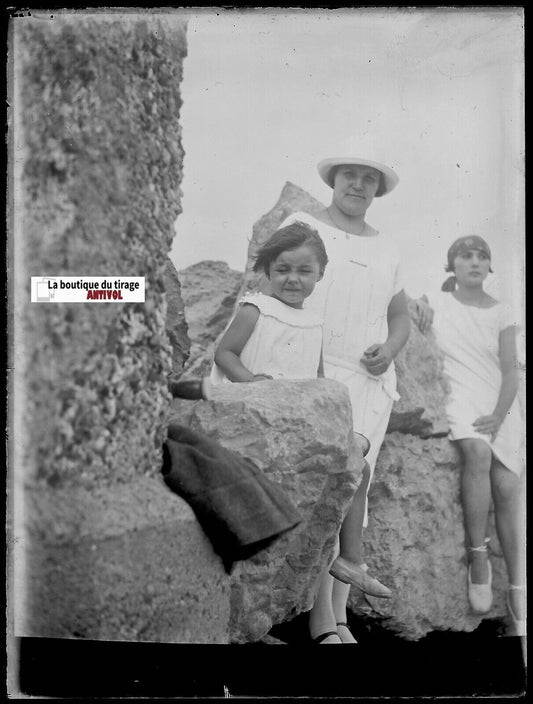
x=350, y=148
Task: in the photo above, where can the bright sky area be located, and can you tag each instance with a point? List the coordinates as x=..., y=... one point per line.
x=439, y=93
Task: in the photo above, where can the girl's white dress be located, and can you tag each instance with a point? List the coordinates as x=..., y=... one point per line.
x=286, y=342
x=469, y=338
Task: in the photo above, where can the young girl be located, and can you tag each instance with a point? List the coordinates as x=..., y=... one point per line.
x=274, y=337
x=476, y=334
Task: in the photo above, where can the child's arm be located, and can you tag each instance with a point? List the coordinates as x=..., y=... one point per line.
x=227, y=354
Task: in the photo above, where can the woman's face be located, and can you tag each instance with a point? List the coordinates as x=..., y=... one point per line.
x=471, y=267
x=354, y=188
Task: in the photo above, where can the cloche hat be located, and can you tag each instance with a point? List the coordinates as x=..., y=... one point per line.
x=354, y=146
x=463, y=244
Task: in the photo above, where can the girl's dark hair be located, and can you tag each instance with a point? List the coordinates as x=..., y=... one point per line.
x=449, y=284
x=290, y=237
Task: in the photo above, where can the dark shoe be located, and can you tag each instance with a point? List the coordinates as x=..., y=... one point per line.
x=350, y=573
x=344, y=625
x=325, y=635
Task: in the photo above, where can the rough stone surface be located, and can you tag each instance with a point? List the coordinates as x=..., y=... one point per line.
x=176, y=324
x=422, y=388
x=292, y=199
x=129, y=562
x=209, y=291
x=415, y=541
x=99, y=132
x=299, y=434
x=110, y=551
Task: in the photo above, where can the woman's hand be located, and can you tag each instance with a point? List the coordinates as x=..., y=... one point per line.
x=377, y=359
x=488, y=425
x=424, y=313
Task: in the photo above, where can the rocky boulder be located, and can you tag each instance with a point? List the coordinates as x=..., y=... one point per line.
x=415, y=541
x=299, y=433
x=176, y=324
x=209, y=291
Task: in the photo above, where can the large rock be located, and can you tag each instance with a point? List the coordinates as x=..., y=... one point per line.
x=209, y=291
x=176, y=324
x=415, y=541
x=122, y=562
x=421, y=386
x=299, y=434
x=103, y=549
x=292, y=199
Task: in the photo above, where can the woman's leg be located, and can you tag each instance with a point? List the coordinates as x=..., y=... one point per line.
x=475, y=499
x=509, y=517
x=321, y=617
x=351, y=532
x=330, y=604
x=339, y=600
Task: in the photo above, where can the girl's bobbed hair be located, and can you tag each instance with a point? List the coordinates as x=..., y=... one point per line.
x=290, y=237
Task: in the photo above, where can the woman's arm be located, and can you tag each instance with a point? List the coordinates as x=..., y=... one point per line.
x=227, y=354
x=489, y=425
x=378, y=358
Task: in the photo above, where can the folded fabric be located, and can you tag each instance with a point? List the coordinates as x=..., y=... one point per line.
x=240, y=510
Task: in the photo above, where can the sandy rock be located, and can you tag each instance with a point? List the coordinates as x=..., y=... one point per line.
x=415, y=541
x=209, y=291
x=176, y=324
x=422, y=388
x=292, y=199
x=102, y=548
x=299, y=434
x=123, y=562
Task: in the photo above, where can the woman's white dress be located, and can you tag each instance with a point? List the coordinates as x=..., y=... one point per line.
x=286, y=342
x=362, y=276
x=469, y=338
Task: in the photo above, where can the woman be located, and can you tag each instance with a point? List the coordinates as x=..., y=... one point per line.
x=366, y=323
x=477, y=337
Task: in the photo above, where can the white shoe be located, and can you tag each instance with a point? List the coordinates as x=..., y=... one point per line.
x=519, y=625
x=480, y=595
x=350, y=573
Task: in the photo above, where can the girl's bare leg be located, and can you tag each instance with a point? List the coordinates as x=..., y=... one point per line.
x=351, y=532
x=339, y=600
x=321, y=617
x=475, y=499
x=509, y=517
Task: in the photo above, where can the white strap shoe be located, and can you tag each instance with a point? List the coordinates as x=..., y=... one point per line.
x=480, y=595
x=519, y=624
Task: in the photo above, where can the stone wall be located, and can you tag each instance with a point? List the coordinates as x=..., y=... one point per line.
x=105, y=550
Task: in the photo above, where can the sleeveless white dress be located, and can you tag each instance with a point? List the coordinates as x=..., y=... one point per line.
x=286, y=342
x=469, y=339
